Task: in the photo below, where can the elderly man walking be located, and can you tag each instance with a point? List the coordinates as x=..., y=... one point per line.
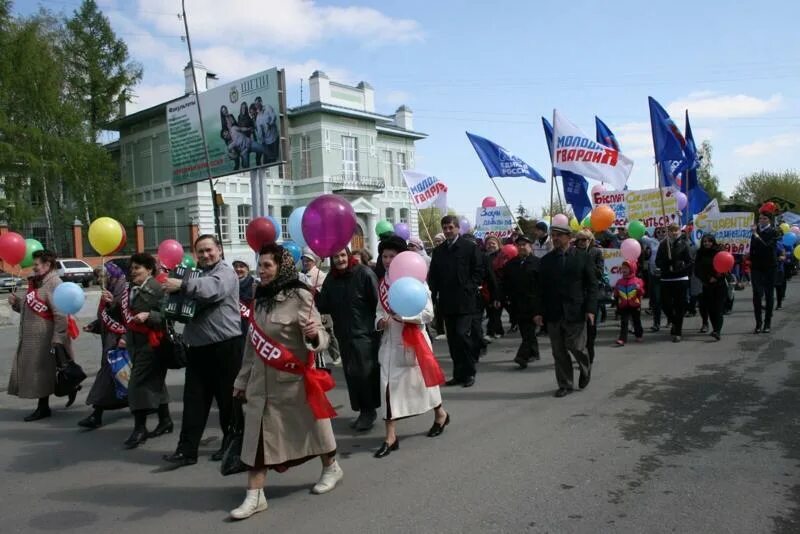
x=565, y=299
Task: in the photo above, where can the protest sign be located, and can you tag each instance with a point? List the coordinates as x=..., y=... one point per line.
x=497, y=221
x=613, y=261
x=643, y=205
x=732, y=230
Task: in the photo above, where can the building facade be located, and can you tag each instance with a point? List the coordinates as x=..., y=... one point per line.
x=337, y=143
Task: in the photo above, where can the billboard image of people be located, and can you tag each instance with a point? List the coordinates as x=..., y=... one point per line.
x=242, y=128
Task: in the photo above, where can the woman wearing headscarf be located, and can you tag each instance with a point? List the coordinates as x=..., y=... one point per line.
x=712, y=299
x=410, y=374
x=111, y=329
x=286, y=413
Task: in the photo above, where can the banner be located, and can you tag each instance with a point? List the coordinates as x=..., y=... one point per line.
x=732, y=230
x=497, y=221
x=241, y=124
x=613, y=261
x=426, y=190
x=574, y=151
x=643, y=205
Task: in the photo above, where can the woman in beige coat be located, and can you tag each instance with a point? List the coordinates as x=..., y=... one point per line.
x=280, y=428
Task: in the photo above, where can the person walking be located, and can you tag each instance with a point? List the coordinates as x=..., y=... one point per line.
x=494, y=325
x=584, y=240
x=651, y=245
x=763, y=267
x=247, y=288
x=213, y=338
x=520, y=278
x=565, y=298
x=629, y=291
x=715, y=291
x=674, y=261
x=455, y=274
x=350, y=296
x=542, y=244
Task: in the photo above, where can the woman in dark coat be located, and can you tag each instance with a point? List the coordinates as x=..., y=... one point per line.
x=712, y=300
x=147, y=391
x=109, y=325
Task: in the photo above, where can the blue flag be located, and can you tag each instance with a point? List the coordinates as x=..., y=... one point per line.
x=499, y=162
x=668, y=141
x=698, y=198
x=605, y=135
x=576, y=187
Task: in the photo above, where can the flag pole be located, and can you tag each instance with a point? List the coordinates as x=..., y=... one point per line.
x=424, y=224
x=663, y=207
x=504, y=202
x=560, y=203
x=552, y=183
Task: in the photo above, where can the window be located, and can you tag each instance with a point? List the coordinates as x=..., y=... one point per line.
x=224, y=222
x=404, y=215
x=401, y=160
x=388, y=175
x=349, y=157
x=286, y=211
x=244, y=214
x=305, y=156
x=390, y=215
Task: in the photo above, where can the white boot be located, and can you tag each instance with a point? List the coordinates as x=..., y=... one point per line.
x=331, y=476
x=253, y=503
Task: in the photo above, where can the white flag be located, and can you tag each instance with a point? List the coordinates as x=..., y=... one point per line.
x=576, y=152
x=426, y=190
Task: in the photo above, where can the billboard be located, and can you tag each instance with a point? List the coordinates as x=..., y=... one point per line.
x=242, y=128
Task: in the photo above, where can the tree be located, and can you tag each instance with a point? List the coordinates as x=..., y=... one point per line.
x=758, y=187
x=708, y=180
x=521, y=211
x=429, y=220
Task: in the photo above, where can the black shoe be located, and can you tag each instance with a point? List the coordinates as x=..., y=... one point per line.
x=386, y=449
x=71, y=397
x=765, y=330
x=137, y=437
x=584, y=379
x=676, y=339
x=37, y=414
x=178, y=459
x=562, y=392
x=217, y=456
x=453, y=382
x=523, y=364
x=469, y=382
x=92, y=422
x=757, y=330
x=437, y=429
x=704, y=329
x=715, y=335
x=165, y=426
x=366, y=421
x=655, y=328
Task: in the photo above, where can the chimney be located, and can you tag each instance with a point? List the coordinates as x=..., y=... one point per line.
x=404, y=118
x=369, y=96
x=319, y=87
x=122, y=102
x=202, y=74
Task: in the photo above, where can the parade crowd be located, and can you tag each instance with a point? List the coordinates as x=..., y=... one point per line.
x=261, y=347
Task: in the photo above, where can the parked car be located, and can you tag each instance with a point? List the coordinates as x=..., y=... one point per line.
x=74, y=270
x=8, y=281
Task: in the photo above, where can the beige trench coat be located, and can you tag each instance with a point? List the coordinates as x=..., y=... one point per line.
x=33, y=373
x=276, y=411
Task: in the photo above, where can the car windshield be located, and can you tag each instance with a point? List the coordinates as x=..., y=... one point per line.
x=75, y=264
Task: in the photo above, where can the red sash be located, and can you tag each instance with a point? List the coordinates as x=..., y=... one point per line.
x=40, y=308
x=280, y=358
x=413, y=339
x=153, y=336
x=111, y=324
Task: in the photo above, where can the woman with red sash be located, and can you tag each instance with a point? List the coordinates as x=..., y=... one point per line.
x=410, y=374
x=286, y=413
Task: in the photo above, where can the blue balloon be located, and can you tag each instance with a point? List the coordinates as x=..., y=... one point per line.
x=68, y=298
x=407, y=296
x=277, y=224
x=294, y=249
x=789, y=239
x=296, y=227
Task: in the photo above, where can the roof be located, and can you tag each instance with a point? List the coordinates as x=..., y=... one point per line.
x=149, y=113
x=384, y=122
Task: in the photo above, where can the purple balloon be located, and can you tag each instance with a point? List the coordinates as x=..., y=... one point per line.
x=402, y=230
x=329, y=223
x=463, y=226
x=682, y=200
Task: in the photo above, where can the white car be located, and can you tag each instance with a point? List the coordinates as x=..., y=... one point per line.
x=75, y=270
x=9, y=282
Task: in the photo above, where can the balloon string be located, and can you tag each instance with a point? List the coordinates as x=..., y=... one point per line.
x=103, y=273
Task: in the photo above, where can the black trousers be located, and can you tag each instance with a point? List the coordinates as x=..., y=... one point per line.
x=568, y=340
x=438, y=320
x=529, y=346
x=210, y=373
x=627, y=316
x=763, y=289
x=476, y=333
x=712, y=304
x=673, y=302
x=460, y=345
x=591, y=333
x=495, y=325
x=655, y=299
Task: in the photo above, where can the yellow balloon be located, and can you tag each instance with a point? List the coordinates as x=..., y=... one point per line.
x=105, y=235
x=797, y=252
x=785, y=228
x=574, y=224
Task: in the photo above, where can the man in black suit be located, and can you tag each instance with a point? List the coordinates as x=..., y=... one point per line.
x=519, y=278
x=565, y=298
x=763, y=269
x=455, y=273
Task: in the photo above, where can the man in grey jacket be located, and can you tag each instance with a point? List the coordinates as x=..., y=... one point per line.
x=214, y=346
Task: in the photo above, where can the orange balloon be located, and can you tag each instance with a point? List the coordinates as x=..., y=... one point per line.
x=602, y=218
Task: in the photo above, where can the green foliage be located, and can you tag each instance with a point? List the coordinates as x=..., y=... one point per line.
x=756, y=188
x=429, y=221
x=708, y=180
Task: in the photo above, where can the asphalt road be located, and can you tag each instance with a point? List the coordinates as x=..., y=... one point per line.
x=690, y=437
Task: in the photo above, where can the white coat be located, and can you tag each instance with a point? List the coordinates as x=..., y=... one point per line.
x=400, y=373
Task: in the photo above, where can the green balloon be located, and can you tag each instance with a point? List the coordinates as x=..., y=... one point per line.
x=31, y=246
x=636, y=229
x=383, y=226
x=587, y=221
x=188, y=261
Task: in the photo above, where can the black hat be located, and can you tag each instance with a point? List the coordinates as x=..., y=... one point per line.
x=523, y=237
x=392, y=242
x=541, y=225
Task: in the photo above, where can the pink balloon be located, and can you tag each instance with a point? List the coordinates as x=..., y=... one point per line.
x=170, y=253
x=329, y=223
x=599, y=188
x=408, y=263
x=12, y=248
x=560, y=220
x=489, y=202
x=682, y=200
x=630, y=249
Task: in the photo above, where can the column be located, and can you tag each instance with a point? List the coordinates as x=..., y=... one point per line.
x=77, y=238
x=370, y=237
x=139, y=235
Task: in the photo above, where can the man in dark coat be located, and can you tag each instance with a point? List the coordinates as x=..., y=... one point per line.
x=350, y=296
x=763, y=269
x=565, y=298
x=456, y=272
x=674, y=260
x=519, y=279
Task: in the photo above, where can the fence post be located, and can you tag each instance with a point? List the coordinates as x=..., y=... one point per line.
x=4, y=230
x=139, y=235
x=77, y=238
x=194, y=232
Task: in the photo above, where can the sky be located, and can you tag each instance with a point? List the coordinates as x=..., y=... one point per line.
x=495, y=69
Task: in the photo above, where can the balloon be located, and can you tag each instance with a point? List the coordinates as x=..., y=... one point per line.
x=560, y=220
x=489, y=202
x=510, y=251
x=31, y=246
x=188, y=261
x=795, y=230
x=630, y=249
x=402, y=230
x=68, y=298
x=122, y=243
x=259, y=232
x=797, y=252
x=546, y=220
x=277, y=225
x=407, y=296
x=682, y=200
x=602, y=218
x=383, y=227
x=296, y=227
x=789, y=239
x=12, y=248
x=785, y=228
x=599, y=188
x=636, y=229
x=723, y=262
x=463, y=226
x=170, y=253
x=328, y=224
x=408, y=264
x=105, y=235
x=574, y=224
x=294, y=249
x=587, y=221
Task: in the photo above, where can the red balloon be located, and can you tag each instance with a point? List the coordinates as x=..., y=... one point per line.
x=260, y=231
x=170, y=253
x=12, y=248
x=510, y=251
x=723, y=262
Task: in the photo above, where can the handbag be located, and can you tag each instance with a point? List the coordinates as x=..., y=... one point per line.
x=120, y=362
x=172, y=351
x=69, y=374
x=232, y=443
